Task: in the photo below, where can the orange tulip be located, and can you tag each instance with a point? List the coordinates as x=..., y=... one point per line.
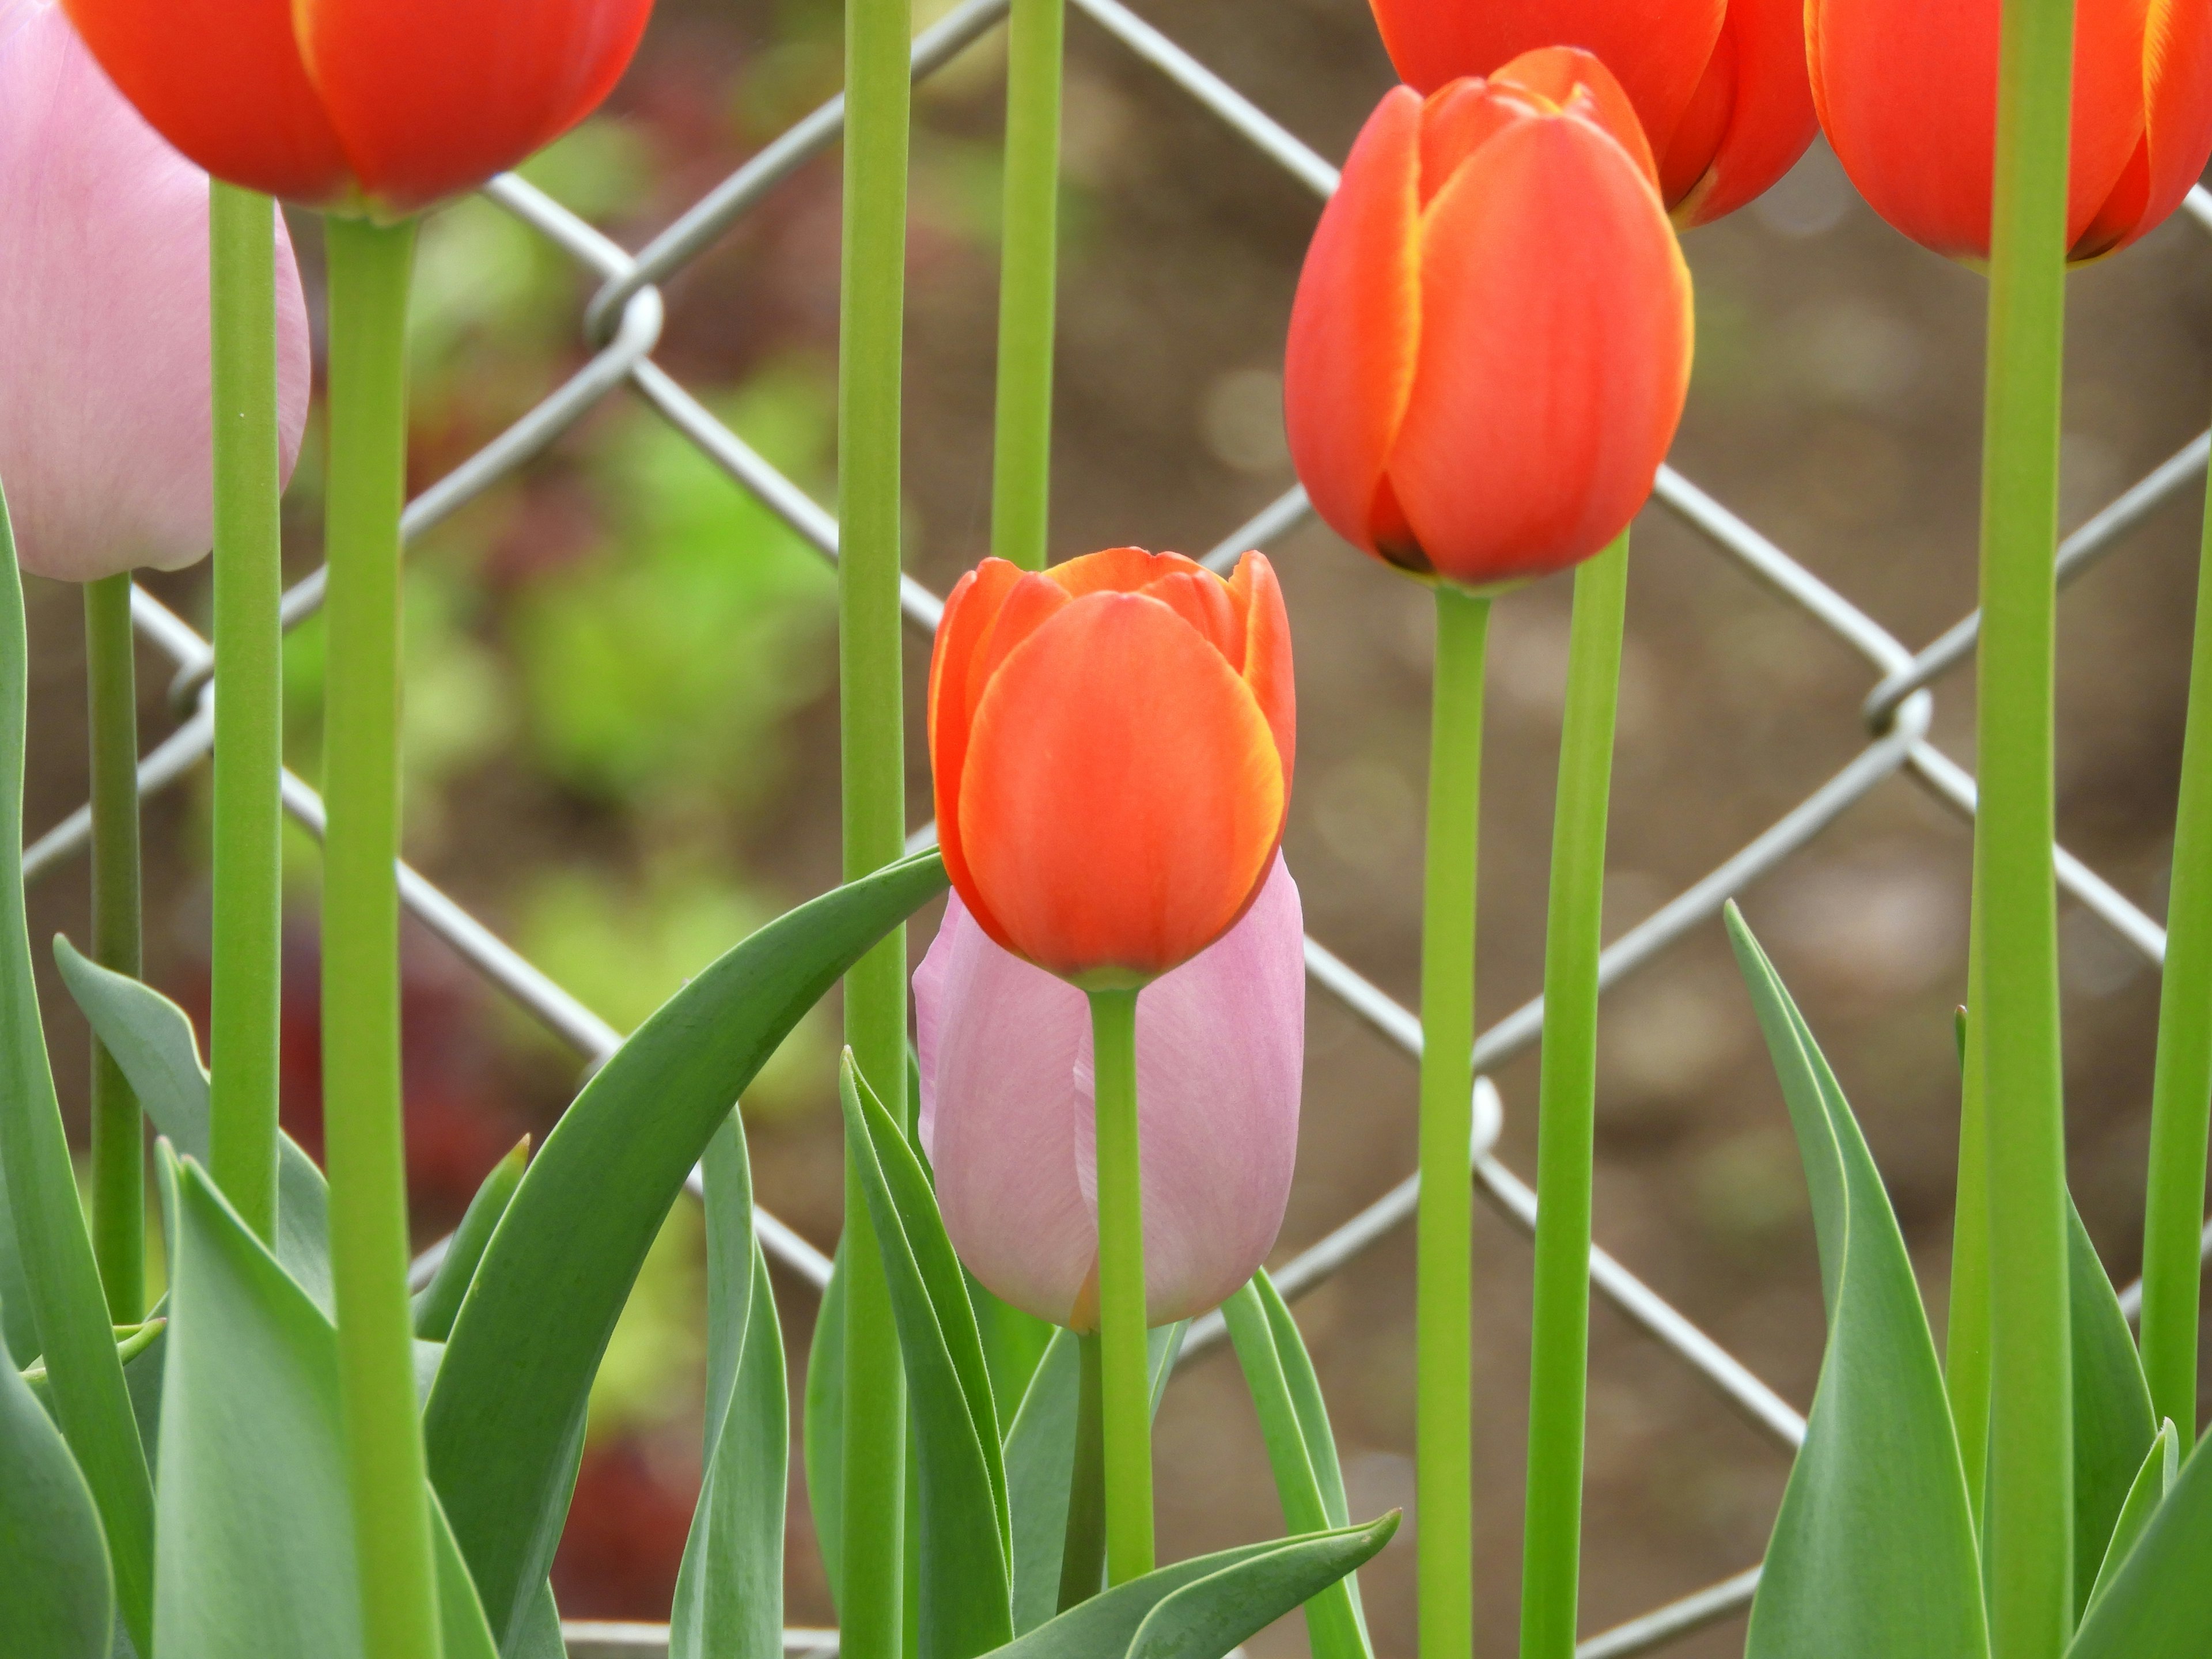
x=1112, y=740
x=1720, y=85
x=1490, y=342
x=1907, y=92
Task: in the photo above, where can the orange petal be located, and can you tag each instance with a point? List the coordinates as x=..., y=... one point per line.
x=1356, y=323
x=2177, y=138
x=1201, y=598
x=1122, y=796
x=1567, y=77
x=1555, y=353
x=1266, y=656
x=1768, y=121
x=1116, y=570
x=971, y=612
x=1029, y=604
x=1463, y=118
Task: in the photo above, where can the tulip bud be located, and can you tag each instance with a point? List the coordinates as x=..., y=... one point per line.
x=105, y=423
x=1006, y=1113
x=383, y=106
x=1112, y=740
x=1907, y=93
x=1490, y=342
x=1720, y=85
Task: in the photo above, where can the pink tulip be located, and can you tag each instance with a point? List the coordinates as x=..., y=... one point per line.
x=105, y=415
x=1006, y=1108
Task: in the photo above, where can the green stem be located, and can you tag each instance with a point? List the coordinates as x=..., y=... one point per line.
x=871, y=701
x=249, y=705
x=1967, y=1347
x=369, y=269
x=1028, y=280
x=1082, y=1556
x=1444, y=1245
x=1124, y=1369
x=2031, y=1506
x=1567, y=1113
x=118, y=1135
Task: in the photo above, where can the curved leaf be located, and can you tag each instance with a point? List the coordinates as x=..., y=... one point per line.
x=2113, y=1423
x=824, y=1424
x=19, y=1332
x=1875, y=1550
x=440, y=1299
x=57, y=1595
x=2158, y=1606
x=2161, y=1466
x=511, y=1394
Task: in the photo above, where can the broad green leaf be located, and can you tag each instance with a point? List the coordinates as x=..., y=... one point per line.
x=1014, y=1342
x=151, y=1039
x=966, y=1586
x=1202, y=1608
x=57, y=1594
x=440, y=1299
x=131, y=1341
x=1874, y=1551
x=19, y=1332
x=825, y=1424
x=61, y=1280
x=538, y=1634
x=1292, y=1419
x=2114, y=1422
x=460, y=1615
x=2161, y=1466
x=2159, y=1605
x=511, y=1394
x=729, y=1589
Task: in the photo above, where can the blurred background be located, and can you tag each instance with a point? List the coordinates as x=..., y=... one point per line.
x=622, y=730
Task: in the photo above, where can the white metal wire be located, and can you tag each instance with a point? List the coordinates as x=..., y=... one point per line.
x=622, y=323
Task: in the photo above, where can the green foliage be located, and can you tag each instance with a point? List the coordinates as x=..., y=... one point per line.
x=824, y=1425
x=58, y=1595
x=2114, y=1427
x=2161, y=1466
x=2159, y=1605
x=440, y=1301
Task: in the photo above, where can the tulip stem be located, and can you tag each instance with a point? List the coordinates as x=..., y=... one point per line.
x=1082, y=1556
x=1444, y=1245
x=2181, y=1093
x=1124, y=1373
x=2031, y=1502
x=249, y=705
x=871, y=1592
x=369, y=269
x=1028, y=279
x=119, y=1135
x=1567, y=1112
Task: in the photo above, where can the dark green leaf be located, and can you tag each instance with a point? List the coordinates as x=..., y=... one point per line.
x=1014, y=1342
x=511, y=1394
x=2113, y=1423
x=2161, y=1466
x=57, y=1595
x=18, y=1332
x=440, y=1299
x=460, y=1615
x=824, y=1425
x=1875, y=1550
x=2158, y=1606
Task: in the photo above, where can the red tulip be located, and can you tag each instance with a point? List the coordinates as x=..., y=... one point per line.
x=1113, y=742
x=1907, y=92
x=1491, y=343
x=387, y=106
x=1720, y=85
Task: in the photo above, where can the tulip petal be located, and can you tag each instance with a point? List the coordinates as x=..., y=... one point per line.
x=1201, y=598
x=1507, y=471
x=1770, y=120
x=222, y=80
x=1121, y=795
x=1567, y=77
x=1355, y=326
x=1116, y=570
x=971, y=612
x=2178, y=130
x=1267, y=655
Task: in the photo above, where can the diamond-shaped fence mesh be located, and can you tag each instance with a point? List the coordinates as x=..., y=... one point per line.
x=623, y=323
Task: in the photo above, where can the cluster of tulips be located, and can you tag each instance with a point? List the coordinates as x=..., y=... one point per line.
x=1487, y=358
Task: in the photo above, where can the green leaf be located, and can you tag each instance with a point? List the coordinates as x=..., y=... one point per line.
x=729, y=1589
x=61, y=1280
x=966, y=1585
x=151, y=1039
x=1202, y=1608
x=2158, y=1606
x=1294, y=1424
x=511, y=1394
x=18, y=1332
x=440, y=1301
x=460, y=1615
x=824, y=1425
x=57, y=1594
x=1014, y=1342
x=1875, y=1550
x=2114, y=1422
x=2161, y=1466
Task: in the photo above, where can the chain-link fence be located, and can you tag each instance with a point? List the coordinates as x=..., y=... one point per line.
x=623, y=323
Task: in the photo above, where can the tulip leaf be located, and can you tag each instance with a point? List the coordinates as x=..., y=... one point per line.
x=729, y=1589
x=2114, y=1424
x=60, y=1278
x=19, y=1332
x=2161, y=1466
x=439, y=1301
x=504, y=1419
x=2157, y=1604
x=1202, y=1608
x=824, y=1424
x=151, y=1039
x=57, y=1593
x=1294, y=1424
x=965, y=1587
x=1014, y=1342
x=1875, y=1549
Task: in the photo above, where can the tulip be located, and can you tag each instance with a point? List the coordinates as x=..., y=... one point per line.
x=105, y=422
x=1490, y=342
x=1907, y=93
x=1007, y=1112
x=1112, y=740
x=1720, y=85
x=386, y=106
